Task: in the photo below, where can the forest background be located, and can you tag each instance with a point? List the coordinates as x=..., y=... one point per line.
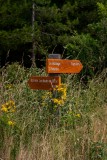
x=75, y=29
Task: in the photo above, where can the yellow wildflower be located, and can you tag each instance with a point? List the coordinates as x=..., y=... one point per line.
x=4, y=109
x=7, y=103
x=3, y=105
x=58, y=101
x=8, y=106
x=10, y=123
x=11, y=103
x=60, y=94
x=78, y=115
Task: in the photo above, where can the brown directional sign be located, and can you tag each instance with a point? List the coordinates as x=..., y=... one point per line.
x=63, y=66
x=44, y=83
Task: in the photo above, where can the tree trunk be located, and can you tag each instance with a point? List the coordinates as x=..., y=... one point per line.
x=33, y=36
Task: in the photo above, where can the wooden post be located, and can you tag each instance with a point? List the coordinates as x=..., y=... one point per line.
x=54, y=56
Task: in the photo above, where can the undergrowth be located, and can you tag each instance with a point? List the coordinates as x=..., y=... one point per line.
x=67, y=124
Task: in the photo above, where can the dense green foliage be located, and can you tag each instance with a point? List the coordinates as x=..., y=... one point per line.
x=74, y=29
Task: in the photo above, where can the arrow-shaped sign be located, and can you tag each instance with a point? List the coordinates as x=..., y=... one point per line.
x=44, y=83
x=63, y=66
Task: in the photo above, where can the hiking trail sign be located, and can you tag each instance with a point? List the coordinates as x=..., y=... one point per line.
x=63, y=66
x=44, y=83
x=54, y=66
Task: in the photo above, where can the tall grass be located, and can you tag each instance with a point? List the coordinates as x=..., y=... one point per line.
x=43, y=130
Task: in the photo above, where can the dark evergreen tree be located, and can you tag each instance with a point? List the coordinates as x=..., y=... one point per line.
x=57, y=27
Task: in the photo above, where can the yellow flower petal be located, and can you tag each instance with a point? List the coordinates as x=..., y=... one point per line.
x=78, y=115
x=10, y=123
x=4, y=109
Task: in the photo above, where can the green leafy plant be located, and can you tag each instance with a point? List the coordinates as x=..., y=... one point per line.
x=98, y=151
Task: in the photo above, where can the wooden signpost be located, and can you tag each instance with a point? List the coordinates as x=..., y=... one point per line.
x=63, y=66
x=44, y=83
x=54, y=66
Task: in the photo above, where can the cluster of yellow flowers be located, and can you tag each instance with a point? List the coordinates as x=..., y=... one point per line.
x=57, y=96
x=60, y=94
x=8, y=106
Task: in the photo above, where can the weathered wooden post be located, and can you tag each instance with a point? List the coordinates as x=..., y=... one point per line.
x=54, y=92
x=53, y=56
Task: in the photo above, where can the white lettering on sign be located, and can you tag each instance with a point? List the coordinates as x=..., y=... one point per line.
x=54, y=63
x=75, y=64
x=53, y=69
x=44, y=81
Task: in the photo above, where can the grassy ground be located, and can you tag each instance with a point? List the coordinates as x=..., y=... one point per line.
x=35, y=125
